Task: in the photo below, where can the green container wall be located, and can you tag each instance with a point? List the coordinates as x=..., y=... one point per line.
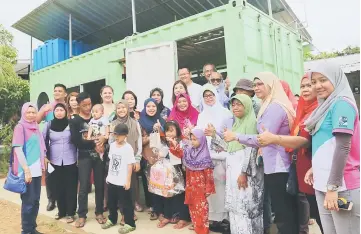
x=253, y=42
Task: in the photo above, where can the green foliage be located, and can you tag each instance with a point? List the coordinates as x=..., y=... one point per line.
x=6, y=135
x=13, y=93
x=307, y=55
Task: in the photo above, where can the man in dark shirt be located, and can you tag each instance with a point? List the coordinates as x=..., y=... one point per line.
x=88, y=160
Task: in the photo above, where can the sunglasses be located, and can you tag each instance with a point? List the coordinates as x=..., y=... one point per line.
x=213, y=80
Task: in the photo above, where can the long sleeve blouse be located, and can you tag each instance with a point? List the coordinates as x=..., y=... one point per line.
x=275, y=157
x=62, y=150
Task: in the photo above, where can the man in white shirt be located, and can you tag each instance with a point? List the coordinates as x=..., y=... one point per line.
x=194, y=90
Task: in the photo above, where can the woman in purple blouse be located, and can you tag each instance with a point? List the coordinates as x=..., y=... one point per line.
x=276, y=115
x=62, y=155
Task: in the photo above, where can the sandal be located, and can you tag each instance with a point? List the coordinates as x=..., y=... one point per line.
x=153, y=216
x=138, y=208
x=181, y=224
x=100, y=219
x=191, y=227
x=163, y=223
x=174, y=220
x=126, y=229
x=311, y=222
x=80, y=223
x=107, y=224
x=122, y=222
x=70, y=219
x=150, y=210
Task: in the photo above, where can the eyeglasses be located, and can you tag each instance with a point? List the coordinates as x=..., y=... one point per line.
x=257, y=84
x=208, y=96
x=213, y=80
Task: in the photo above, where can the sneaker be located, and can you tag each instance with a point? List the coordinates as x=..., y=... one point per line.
x=126, y=229
x=107, y=224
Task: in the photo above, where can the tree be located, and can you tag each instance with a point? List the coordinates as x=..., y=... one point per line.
x=13, y=90
x=307, y=55
x=13, y=93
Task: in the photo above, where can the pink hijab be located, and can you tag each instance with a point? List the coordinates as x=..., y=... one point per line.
x=184, y=117
x=291, y=97
x=30, y=128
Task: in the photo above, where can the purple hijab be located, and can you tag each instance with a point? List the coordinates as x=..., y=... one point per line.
x=197, y=159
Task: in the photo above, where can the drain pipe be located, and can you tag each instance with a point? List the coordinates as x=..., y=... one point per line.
x=70, y=39
x=134, y=20
x=269, y=8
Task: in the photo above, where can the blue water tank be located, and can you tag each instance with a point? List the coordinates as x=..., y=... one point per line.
x=59, y=50
x=44, y=52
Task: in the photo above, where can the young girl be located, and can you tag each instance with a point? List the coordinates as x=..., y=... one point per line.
x=199, y=180
x=174, y=209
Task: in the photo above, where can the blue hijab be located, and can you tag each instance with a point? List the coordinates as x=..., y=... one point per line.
x=147, y=122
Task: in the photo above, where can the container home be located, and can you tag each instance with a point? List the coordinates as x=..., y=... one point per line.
x=239, y=38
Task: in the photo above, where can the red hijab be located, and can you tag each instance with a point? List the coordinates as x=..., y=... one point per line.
x=304, y=110
x=182, y=117
x=291, y=97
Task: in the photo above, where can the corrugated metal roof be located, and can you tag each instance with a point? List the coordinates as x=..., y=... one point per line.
x=349, y=63
x=102, y=22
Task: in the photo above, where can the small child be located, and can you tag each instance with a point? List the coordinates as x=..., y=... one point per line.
x=199, y=180
x=121, y=156
x=98, y=126
x=174, y=209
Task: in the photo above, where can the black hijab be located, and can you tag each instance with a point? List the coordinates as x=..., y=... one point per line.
x=59, y=125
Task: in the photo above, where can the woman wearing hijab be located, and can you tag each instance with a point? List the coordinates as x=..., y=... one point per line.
x=335, y=131
x=307, y=205
x=215, y=114
x=184, y=113
x=244, y=186
x=29, y=159
x=134, y=138
x=62, y=155
x=276, y=114
x=288, y=91
x=158, y=95
x=150, y=120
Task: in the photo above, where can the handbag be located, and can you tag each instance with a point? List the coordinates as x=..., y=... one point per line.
x=14, y=183
x=292, y=183
x=154, y=140
x=164, y=179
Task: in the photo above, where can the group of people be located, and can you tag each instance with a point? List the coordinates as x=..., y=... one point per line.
x=211, y=161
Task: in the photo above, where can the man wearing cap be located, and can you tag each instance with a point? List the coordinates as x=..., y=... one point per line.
x=245, y=86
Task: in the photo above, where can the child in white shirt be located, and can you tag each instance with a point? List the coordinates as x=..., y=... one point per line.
x=98, y=126
x=121, y=156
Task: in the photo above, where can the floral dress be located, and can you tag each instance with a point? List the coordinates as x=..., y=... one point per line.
x=245, y=206
x=199, y=185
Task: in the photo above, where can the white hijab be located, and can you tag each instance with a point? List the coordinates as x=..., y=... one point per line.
x=216, y=114
x=342, y=89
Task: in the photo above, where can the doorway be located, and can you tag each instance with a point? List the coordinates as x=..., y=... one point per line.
x=196, y=51
x=93, y=89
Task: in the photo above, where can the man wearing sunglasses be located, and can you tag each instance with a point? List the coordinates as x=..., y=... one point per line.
x=216, y=79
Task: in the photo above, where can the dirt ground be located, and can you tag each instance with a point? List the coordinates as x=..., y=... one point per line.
x=10, y=221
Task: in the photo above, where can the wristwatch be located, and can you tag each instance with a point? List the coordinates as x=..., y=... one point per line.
x=333, y=188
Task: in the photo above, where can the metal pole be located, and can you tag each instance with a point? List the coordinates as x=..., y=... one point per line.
x=134, y=18
x=269, y=8
x=70, y=38
x=31, y=54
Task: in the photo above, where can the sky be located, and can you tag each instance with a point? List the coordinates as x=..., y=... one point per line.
x=333, y=24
